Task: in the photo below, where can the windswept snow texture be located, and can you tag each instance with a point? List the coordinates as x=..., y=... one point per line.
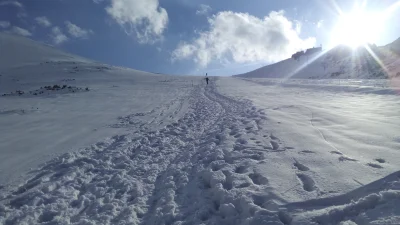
x=140, y=148
x=340, y=148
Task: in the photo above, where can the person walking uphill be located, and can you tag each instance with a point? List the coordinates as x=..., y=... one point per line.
x=207, y=79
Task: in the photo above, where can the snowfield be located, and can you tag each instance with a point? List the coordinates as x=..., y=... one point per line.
x=342, y=148
x=142, y=148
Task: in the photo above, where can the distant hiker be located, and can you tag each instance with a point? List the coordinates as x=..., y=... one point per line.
x=207, y=80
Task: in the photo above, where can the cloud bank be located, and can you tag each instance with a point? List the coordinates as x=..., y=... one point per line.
x=241, y=38
x=58, y=36
x=43, y=21
x=76, y=31
x=146, y=19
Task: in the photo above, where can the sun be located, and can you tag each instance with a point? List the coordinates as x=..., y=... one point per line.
x=357, y=28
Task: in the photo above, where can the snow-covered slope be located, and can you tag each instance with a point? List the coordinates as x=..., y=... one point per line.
x=305, y=67
x=52, y=102
x=394, y=46
x=340, y=62
x=20, y=51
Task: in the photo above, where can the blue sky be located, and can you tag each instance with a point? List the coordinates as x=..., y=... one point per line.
x=186, y=36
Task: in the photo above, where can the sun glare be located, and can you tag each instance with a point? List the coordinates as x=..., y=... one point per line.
x=357, y=28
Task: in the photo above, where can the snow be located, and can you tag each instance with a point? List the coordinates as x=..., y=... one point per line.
x=142, y=148
x=336, y=140
x=340, y=62
x=35, y=128
x=19, y=51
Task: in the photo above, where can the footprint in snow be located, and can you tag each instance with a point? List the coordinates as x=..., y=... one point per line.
x=260, y=200
x=275, y=145
x=243, y=185
x=336, y=152
x=300, y=166
x=241, y=169
x=258, y=179
x=307, y=181
x=237, y=135
x=375, y=165
x=380, y=160
x=345, y=158
x=307, y=151
x=273, y=137
x=242, y=141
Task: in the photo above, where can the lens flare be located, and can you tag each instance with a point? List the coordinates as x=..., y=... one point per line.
x=357, y=28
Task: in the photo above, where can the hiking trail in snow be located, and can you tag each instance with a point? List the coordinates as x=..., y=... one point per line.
x=200, y=169
x=191, y=171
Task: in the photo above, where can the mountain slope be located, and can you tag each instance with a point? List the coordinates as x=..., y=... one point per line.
x=394, y=46
x=19, y=51
x=288, y=69
x=339, y=62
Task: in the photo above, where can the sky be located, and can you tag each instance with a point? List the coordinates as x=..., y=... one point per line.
x=190, y=37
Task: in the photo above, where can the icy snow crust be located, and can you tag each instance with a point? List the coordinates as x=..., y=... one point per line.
x=140, y=148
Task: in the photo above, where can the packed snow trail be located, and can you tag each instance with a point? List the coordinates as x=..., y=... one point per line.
x=191, y=171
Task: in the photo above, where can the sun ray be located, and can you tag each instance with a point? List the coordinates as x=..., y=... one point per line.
x=372, y=53
x=392, y=8
x=376, y=58
x=304, y=65
x=336, y=7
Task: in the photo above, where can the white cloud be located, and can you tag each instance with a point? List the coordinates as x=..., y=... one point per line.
x=11, y=2
x=143, y=17
x=58, y=36
x=242, y=38
x=4, y=24
x=76, y=31
x=21, y=31
x=204, y=9
x=43, y=21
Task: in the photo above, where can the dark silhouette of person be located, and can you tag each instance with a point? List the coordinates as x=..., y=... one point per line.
x=207, y=80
